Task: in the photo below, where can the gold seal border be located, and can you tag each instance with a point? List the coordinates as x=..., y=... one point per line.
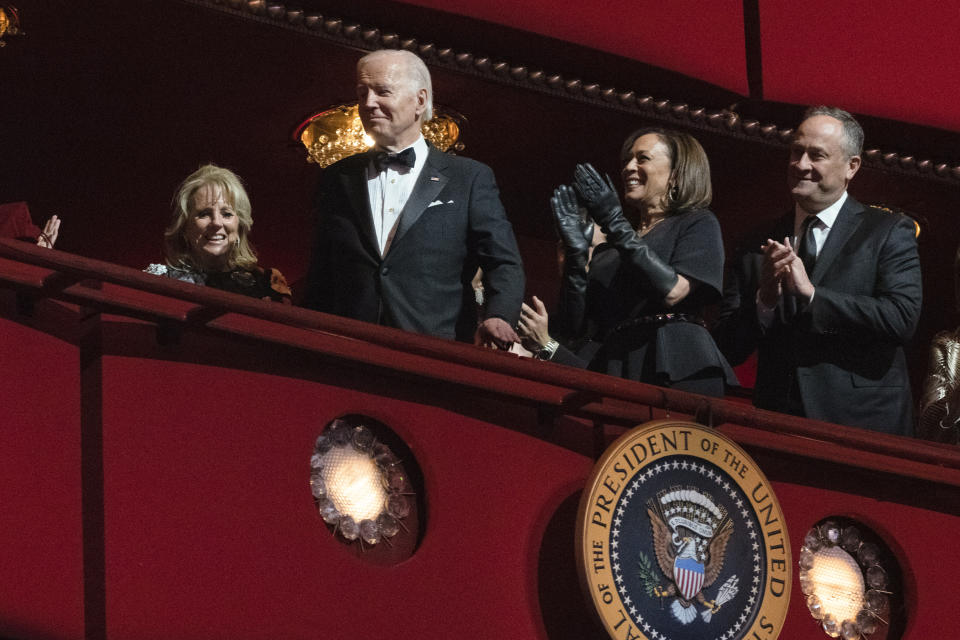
x=593, y=564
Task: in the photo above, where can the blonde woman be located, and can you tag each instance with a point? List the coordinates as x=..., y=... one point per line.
x=207, y=242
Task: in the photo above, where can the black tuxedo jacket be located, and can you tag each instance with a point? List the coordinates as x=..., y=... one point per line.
x=843, y=352
x=452, y=223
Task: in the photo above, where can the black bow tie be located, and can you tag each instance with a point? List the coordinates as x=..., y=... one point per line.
x=383, y=159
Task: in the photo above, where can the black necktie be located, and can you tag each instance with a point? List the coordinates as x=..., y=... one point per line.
x=383, y=159
x=808, y=245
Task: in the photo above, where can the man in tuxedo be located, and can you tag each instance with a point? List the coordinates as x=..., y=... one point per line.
x=402, y=229
x=829, y=295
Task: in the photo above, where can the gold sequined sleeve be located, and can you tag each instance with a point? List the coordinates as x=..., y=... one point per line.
x=940, y=404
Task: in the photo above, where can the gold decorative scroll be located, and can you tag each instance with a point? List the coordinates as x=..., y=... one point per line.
x=336, y=133
x=913, y=218
x=9, y=22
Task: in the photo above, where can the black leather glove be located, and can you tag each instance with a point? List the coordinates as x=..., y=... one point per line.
x=599, y=195
x=576, y=233
x=602, y=202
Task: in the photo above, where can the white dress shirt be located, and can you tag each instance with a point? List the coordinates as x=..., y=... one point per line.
x=821, y=226
x=389, y=191
x=821, y=229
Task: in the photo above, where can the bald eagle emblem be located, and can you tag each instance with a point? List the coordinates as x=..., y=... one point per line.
x=690, y=535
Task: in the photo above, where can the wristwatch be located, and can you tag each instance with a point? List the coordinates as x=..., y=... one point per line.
x=546, y=351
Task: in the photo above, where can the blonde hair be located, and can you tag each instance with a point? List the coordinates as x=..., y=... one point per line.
x=179, y=252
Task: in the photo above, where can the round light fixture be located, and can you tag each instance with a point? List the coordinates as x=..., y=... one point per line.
x=358, y=483
x=845, y=585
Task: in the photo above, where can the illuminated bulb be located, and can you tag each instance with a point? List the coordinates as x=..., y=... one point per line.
x=354, y=483
x=838, y=583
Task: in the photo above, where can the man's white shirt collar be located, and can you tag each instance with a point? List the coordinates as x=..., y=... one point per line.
x=827, y=217
x=421, y=150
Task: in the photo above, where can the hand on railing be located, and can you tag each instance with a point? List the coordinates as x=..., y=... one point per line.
x=48, y=237
x=495, y=333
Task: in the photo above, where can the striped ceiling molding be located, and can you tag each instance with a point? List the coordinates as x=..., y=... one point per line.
x=724, y=121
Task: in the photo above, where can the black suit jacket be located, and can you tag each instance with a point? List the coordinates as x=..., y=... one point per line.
x=452, y=223
x=842, y=352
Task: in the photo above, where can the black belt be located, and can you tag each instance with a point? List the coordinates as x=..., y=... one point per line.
x=657, y=320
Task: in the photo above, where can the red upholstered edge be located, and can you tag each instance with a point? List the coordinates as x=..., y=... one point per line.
x=573, y=391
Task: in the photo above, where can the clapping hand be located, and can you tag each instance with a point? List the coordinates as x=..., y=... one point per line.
x=533, y=325
x=601, y=200
x=597, y=193
x=795, y=279
x=771, y=275
x=575, y=231
x=782, y=270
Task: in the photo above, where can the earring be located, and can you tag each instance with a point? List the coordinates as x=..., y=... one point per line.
x=674, y=193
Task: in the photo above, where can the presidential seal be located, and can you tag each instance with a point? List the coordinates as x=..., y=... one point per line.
x=680, y=536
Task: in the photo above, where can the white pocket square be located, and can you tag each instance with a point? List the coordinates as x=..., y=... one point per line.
x=434, y=203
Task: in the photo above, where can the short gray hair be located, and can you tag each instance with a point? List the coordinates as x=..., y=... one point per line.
x=852, y=131
x=415, y=70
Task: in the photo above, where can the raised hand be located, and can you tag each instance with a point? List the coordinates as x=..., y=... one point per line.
x=575, y=231
x=534, y=323
x=796, y=280
x=776, y=263
x=598, y=194
x=48, y=237
x=600, y=198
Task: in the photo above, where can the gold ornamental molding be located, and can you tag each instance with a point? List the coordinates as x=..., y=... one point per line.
x=672, y=113
x=9, y=23
x=336, y=133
